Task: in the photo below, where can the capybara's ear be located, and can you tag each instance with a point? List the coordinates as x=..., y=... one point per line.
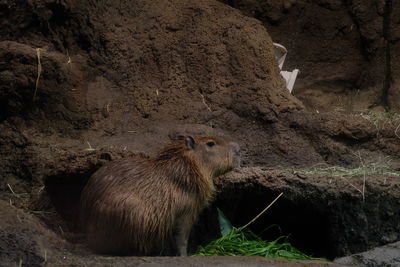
x=190, y=143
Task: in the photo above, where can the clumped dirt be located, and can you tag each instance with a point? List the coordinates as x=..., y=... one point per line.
x=119, y=78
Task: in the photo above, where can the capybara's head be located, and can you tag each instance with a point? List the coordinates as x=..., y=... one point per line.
x=214, y=155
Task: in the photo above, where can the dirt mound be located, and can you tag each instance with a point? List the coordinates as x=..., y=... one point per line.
x=155, y=54
x=23, y=239
x=85, y=82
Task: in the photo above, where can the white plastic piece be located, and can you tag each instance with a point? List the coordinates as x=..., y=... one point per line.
x=289, y=76
x=280, y=53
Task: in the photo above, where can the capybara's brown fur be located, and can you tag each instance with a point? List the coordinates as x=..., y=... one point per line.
x=142, y=206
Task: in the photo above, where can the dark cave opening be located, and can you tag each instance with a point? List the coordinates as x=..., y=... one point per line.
x=302, y=224
x=64, y=192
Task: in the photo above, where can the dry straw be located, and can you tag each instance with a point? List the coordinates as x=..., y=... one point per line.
x=39, y=71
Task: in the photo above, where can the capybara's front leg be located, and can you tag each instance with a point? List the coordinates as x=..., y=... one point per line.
x=182, y=232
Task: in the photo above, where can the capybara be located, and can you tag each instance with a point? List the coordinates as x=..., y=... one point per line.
x=139, y=206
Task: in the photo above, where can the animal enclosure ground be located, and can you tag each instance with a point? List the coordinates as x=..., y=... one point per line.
x=120, y=78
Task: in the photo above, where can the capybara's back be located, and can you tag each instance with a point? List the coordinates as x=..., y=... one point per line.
x=141, y=206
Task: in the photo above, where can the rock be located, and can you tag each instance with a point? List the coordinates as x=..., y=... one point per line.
x=388, y=255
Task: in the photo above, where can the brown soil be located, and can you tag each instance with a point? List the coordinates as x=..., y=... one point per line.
x=120, y=78
x=347, y=51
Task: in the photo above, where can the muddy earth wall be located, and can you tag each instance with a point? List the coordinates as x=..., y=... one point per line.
x=86, y=82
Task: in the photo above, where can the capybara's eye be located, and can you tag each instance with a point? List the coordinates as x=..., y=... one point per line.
x=210, y=143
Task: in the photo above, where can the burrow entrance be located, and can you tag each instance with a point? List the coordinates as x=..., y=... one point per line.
x=305, y=227
x=62, y=196
x=319, y=222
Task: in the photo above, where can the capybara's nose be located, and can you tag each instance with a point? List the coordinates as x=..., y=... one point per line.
x=235, y=148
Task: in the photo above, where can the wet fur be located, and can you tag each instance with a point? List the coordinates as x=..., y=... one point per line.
x=139, y=206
